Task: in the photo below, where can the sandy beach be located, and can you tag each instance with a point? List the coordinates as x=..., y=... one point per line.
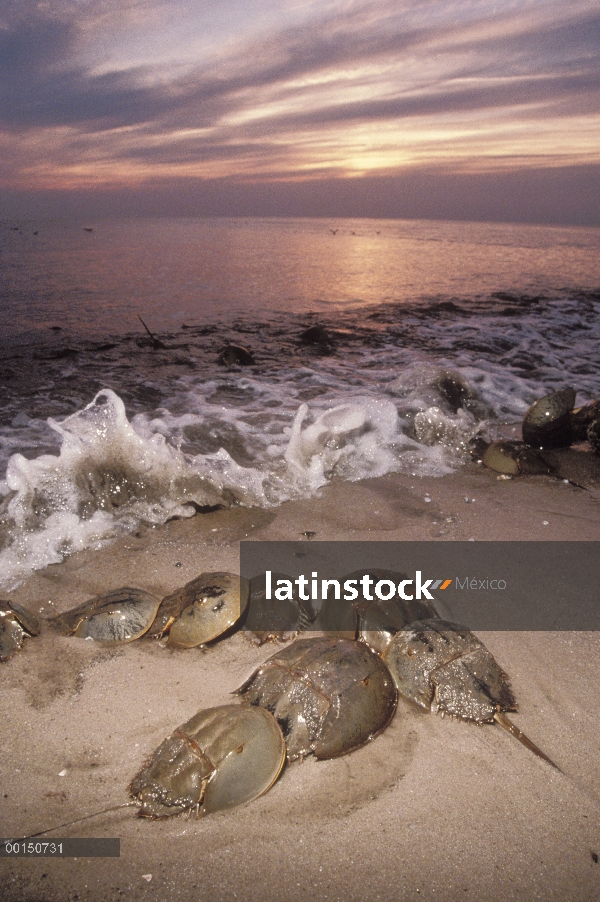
x=431, y=809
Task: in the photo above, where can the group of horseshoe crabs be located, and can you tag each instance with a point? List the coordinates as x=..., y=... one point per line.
x=551, y=422
x=325, y=695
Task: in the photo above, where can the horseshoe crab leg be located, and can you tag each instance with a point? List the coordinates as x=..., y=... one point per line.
x=508, y=725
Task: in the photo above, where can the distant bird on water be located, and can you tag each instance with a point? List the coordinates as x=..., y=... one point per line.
x=334, y=231
x=87, y=230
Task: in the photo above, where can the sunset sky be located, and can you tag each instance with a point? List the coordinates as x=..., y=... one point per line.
x=435, y=108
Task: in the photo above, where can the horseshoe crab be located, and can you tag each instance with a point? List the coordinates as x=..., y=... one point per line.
x=220, y=758
x=16, y=622
x=272, y=618
x=553, y=423
x=584, y=418
x=547, y=423
x=593, y=434
x=235, y=355
x=194, y=614
x=585, y=422
x=118, y=616
x=329, y=696
x=443, y=667
x=374, y=620
x=202, y=609
x=514, y=459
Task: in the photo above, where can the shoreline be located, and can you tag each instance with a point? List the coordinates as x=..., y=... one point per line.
x=429, y=809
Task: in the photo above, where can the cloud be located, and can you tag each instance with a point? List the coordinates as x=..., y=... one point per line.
x=29, y=49
x=297, y=88
x=41, y=88
x=556, y=195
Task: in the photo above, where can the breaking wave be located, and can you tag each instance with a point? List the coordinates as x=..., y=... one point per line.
x=111, y=474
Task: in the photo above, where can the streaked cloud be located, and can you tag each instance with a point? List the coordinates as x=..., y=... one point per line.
x=107, y=92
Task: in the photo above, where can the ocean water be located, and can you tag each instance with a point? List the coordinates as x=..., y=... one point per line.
x=439, y=331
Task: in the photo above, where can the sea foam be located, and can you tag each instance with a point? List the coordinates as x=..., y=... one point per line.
x=111, y=474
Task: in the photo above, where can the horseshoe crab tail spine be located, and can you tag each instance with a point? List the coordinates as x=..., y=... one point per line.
x=508, y=725
x=76, y=821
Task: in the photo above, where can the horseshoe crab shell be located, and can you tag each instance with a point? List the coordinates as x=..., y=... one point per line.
x=273, y=618
x=202, y=609
x=373, y=620
x=233, y=355
x=583, y=419
x=329, y=696
x=514, y=459
x=443, y=667
x=586, y=424
x=16, y=622
x=593, y=435
x=118, y=616
x=547, y=423
x=220, y=758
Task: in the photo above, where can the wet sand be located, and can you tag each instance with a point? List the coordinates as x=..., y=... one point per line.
x=431, y=809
